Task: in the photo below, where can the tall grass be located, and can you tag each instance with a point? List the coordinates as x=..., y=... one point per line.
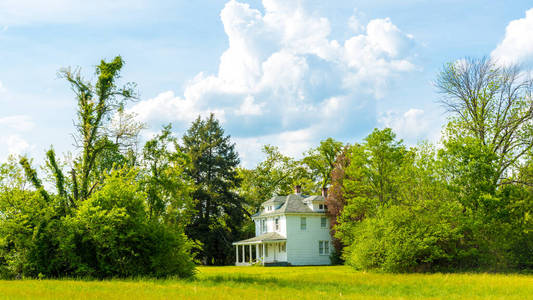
x=335, y=282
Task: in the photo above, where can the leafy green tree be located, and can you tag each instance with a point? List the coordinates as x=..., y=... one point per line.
x=220, y=211
x=100, y=222
x=491, y=103
x=489, y=136
x=111, y=235
x=167, y=186
x=373, y=179
x=399, y=215
x=321, y=160
x=276, y=175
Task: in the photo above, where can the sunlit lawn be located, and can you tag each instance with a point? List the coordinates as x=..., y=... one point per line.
x=337, y=282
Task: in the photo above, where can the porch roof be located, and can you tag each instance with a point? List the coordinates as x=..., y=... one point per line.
x=267, y=237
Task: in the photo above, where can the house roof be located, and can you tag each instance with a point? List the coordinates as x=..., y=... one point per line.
x=293, y=203
x=267, y=237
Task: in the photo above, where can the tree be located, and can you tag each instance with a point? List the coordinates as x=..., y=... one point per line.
x=96, y=223
x=213, y=169
x=399, y=216
x=335, y=200
x=491, y=103
x=486, y=144
x=276, y=175
x=321, y=159
x=372, y=180
x=95, y=104
x=167, y=186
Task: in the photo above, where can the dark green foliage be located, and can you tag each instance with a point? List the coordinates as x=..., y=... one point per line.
x=108, y=235
x=167, y=186
x=220, y=212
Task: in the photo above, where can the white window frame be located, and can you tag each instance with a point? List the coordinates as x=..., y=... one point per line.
x=263, y=226
x=303, y=223
x=323, y=247
x=323, y=222
x=276, y=222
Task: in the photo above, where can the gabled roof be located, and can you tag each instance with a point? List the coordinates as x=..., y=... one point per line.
x=267, y=237
x=293, y=203
x=314, y=198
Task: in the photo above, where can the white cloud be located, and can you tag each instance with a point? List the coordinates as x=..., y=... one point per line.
x=517, y=45
x=355, y=24
x=250, y=108
x=414, y=125
x=283, y=81
x=2, y=88
x=17, y=122
x=15, y=144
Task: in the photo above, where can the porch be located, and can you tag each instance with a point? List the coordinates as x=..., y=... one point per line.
x=266, y=249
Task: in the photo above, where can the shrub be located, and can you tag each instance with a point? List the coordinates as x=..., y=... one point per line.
x=107, y=235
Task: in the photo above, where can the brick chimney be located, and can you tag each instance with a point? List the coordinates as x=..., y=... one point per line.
x=298, y=189
x=325, y=192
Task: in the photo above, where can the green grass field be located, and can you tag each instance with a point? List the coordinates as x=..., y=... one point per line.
x=336, y=282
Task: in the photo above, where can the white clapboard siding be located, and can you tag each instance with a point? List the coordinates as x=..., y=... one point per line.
x=302, y=245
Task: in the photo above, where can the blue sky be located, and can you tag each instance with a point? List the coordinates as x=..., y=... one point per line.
x=286, y=73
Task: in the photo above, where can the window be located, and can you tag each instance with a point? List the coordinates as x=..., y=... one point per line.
x=281, y=247
x=266, y=250
x=323, y=222
x=303, y=223
x=321, y=206
x=323, y=247
x=263, y=225
x=277, y=224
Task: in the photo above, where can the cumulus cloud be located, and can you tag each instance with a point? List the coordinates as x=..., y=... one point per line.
x=284, y=81
x=517, y=45
x=16, y=144
x=414, y=125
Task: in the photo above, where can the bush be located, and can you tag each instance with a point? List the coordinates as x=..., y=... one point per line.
x=107, y=235
x=407, y=239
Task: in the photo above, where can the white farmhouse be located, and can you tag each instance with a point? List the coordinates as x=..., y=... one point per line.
x=289, y=230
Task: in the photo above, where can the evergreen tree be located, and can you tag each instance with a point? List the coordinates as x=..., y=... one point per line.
x=220, y=213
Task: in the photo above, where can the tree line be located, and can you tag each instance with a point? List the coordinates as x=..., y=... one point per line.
x=116, y=209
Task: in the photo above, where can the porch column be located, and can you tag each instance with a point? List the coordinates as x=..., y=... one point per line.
x=263, y=253
x=250, y=247
x=243, y=253
x=236, y=254
x=257, y=252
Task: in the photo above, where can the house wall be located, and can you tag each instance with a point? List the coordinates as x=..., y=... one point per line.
x=303, y=245
x=271, y=225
